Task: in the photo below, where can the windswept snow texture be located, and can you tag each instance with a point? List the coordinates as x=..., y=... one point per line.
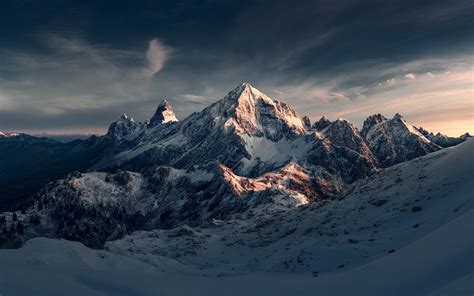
x=405, y=231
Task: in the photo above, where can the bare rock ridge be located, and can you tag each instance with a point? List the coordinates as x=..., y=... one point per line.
x=443, y=140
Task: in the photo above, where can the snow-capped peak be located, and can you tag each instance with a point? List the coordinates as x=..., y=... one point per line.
x=164, y=114
x=397, y=115
x=372, y=121
x=394, y=140
x=246, y=91
x=249, y=111
x=8, y=134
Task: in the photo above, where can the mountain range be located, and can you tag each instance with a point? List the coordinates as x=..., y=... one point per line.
x=246, y=190
x=245, y=153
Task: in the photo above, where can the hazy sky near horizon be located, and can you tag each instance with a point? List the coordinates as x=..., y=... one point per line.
x=74, y=66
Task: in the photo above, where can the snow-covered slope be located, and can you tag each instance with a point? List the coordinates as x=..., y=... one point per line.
x=405, y=231
x=388, y=212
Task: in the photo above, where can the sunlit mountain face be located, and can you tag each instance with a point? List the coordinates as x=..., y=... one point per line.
x=236, y=147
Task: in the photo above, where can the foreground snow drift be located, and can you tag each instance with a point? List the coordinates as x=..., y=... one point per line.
x=406, y=231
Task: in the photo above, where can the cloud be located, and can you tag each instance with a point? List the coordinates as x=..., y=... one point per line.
x=72, y=81
x=5, y=101
x=390, y=82
x=156, y=55
x=410, y=76
x=339, y=96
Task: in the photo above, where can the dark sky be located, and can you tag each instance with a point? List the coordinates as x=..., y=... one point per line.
x=74, y=66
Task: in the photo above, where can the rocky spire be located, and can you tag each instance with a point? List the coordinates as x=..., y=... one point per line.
x=306, y=122
x=164, y=114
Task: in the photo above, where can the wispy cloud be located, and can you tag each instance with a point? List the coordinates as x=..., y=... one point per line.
x=156, y=55
x=339, y=96
x=410, y=76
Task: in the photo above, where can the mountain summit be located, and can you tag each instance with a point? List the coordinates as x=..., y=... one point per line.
x=124, y=129
x=164, y=114
x=249, y=111
x=394, y=140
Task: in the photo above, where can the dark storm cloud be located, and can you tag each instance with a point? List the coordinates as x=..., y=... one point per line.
x=78, y=64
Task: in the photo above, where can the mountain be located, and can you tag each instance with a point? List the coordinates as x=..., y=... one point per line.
x=7, y=134
x=6, y=137
x=321, y=124
x=245, y=155
x=394, y=140
x=225, y=132
x=124, y=129
x=164, y=114
x=246, y=131
x=443, y=140
x=343, y=133
x=244, y=187
x=402, y=218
